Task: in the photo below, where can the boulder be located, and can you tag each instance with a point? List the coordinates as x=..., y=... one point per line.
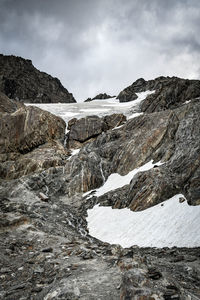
x=21, y=81
x=30, y=140
x=87, y=129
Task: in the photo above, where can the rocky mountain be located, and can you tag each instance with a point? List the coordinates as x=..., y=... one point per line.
x=101, y=96
x=170, y=92
x=46, y=189
x=21, y=81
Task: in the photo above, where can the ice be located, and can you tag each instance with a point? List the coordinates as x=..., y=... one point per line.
x=165, y=225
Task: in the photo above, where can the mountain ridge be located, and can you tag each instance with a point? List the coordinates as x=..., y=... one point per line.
x=21, y=81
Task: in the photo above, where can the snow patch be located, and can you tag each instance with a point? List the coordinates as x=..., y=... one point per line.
x=74, y=152
x=164, y=225
x=134, y=115
x=116, y=180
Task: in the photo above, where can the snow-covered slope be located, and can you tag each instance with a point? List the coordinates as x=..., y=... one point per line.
x=97, y=107
x=168, y=224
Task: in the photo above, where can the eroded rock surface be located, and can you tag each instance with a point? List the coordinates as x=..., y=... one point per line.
x=30, y=140
x=87, y=129
x=20, y=80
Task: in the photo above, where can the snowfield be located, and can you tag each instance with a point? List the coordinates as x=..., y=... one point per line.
x=165, y=225
x=97, y=107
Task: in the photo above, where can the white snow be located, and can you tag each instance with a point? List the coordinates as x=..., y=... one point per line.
x=134, y=115
x=74, y=152
x=116, y=180
x=98, y=107
x=165, y=225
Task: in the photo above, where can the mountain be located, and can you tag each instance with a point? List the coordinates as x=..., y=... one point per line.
x=21, y=81
x=170, y=92
x=101, y=96
x=54, y=199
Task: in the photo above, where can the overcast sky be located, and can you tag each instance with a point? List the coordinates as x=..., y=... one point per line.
x=96, y=46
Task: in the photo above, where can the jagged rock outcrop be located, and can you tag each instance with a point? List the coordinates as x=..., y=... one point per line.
x=21, y=81
x=8, y=105
x=87, y=129
x=30, y=140
x=102, y=96
x=170, y=92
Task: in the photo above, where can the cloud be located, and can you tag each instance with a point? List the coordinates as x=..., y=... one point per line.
x=97, y=46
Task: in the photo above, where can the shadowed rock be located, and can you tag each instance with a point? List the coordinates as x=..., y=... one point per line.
x=8, y=105
x=87, y=129
x=20, y=80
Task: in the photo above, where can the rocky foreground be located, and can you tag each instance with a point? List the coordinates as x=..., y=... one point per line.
x=45, y=249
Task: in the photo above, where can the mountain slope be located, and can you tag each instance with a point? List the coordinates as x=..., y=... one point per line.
x=20, y=80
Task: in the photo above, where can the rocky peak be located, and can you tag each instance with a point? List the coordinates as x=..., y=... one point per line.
x=101, y=96
x=20, y=80
x=170, y=92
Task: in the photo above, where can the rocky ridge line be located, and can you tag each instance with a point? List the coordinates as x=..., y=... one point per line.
x=21, y=81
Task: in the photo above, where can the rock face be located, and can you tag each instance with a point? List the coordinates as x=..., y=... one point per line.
x=20, y=80
x=170, y=92
x=171, y=137
x=8, y=105
x=102, y=96
x=87, y=129
x=30, y=140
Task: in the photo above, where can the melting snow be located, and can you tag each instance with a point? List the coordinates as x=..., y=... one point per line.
x=165, y=225
x=116, y=180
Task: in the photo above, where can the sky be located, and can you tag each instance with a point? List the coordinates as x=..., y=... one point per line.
x=96, y=46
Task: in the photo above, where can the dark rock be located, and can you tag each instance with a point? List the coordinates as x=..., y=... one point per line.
x=21, y=81
x=30, y=140
x=47, y=250
x=170, y=92
x=101, y=96
x=154, y=274
x=88, y=100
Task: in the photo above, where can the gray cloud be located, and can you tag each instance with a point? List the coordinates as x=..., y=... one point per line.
x=97, y=46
